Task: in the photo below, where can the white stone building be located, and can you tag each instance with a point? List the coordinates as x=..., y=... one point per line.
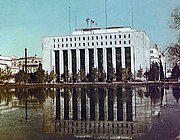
x=5, y=61
x=122, y=47
x=155, y=54
x=32, y=63
x=17, y=63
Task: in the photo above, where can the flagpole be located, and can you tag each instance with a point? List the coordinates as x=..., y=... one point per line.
x=75, y=23
x=106, y=13
x=69, y=20
x=132, y=24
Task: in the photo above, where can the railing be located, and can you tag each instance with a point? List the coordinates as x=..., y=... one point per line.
x=106, y=129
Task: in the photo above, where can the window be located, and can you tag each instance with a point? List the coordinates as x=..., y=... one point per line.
x=115, y=42
x=54, y=45
x=88, y=37
x=92, y=38
x=54, y=40
x=75, y=39
x=119, y=42
x=129, y=35
x=106, y=43
x=110, y=42
x=97, y=37
x=110, y=36
x=114, y=36
x=101, y=37
x=79, y=38
x=83, y=38
x=101, y=43
x=62, y=45
x=88, y=43
x=58, y=39
x=124, y=36
x=83, y=44
x=97, y=43
x=124, y=42
x=79, y=44
x=151, y=51
x=129, y=41
x=62, y=39
x=58, y=45
x=70, y=45
x=106, y=37
x=92, y=43
x=70, y=39
x=75, y=44
x=119, y=36
x=66, y=39
x=66, y=45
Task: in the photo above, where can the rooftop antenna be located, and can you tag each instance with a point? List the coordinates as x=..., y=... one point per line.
x=75, y=23
x=69, y=20
x=132, y=20
x=87, y=22
x=106, y=12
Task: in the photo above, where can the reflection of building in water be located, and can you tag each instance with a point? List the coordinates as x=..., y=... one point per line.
x=156, y=95
x=6, y=100
x=31, y=97
x=100, y=112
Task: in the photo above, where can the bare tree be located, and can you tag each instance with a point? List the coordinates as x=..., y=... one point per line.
x=173, y=54
x=173, y=51
x=175, y=16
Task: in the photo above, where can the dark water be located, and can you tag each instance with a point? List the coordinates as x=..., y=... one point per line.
x=93, y=113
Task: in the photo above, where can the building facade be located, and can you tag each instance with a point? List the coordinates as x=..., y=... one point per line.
x=32, y=63
x=120, y=47
x=5, y=61
x=18, y=63
x=155, y=54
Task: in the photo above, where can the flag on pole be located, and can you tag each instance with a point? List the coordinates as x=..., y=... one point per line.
x=93, y=22
x=87, y=19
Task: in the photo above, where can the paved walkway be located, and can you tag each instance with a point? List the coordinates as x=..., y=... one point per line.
x=165, y=126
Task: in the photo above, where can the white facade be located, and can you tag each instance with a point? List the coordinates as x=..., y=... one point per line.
x=32, y=64
x=155, y=54
x=5, y=61
x=126, y=39
x=17, y=63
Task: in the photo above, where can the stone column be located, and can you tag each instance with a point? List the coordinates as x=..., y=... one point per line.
x=78, y=59
x=69, y=61
x=123, y=57
x=61, y=62
x=86, y=61
x=95, y=58
x=114, y=58
x=105, y=60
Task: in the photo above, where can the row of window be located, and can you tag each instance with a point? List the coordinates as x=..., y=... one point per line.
x=94, y=44
x=65, y=39
x=27, y=62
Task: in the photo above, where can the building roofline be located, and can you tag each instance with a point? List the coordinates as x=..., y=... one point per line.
x=90, y=29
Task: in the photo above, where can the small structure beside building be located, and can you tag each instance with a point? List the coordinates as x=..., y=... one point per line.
x=32, y=63
x=11, y=65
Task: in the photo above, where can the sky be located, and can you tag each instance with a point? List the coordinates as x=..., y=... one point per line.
x=23, y=23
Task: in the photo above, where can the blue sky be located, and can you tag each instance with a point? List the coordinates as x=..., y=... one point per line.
x=23, y=23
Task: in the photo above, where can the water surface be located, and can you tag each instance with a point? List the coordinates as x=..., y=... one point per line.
x=126, y=112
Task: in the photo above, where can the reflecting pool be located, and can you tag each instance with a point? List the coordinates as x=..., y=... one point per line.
x=123, y=112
